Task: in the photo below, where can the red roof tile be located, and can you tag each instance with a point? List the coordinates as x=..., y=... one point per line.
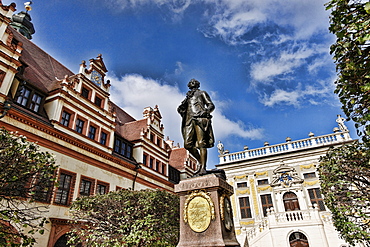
x=177, y=158
x=42, y=70
x=122, y=116
x=131, y=131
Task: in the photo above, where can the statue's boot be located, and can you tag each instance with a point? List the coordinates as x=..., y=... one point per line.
x=201, y=171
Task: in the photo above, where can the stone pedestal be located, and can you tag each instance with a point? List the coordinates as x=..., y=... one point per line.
x=206, y=217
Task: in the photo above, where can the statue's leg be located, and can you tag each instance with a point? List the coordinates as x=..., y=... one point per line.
x=203, y=160
x=194, y=152
x=189, y=134
x=202, y=150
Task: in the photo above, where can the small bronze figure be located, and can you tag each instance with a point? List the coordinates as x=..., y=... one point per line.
x=196, y=126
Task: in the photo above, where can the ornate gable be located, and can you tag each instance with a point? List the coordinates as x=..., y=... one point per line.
x=285, y=176
x=96, y=72
x=153, y=117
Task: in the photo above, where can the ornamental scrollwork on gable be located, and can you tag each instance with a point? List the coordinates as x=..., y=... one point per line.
x=285, y=176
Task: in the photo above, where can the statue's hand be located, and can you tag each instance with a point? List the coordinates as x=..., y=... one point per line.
x=203, y=114
x=181, y=110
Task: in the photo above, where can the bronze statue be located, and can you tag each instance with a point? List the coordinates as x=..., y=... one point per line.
x=196, y=126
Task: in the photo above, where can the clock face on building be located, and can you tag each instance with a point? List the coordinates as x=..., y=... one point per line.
x=96, y=77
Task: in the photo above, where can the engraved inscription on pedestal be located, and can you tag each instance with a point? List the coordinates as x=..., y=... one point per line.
x=199, y=210
x=206, y=213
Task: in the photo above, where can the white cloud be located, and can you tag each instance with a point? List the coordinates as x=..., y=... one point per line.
x=179, y=6
x=133, y=93
x=235, y=18
x=306, y=17
x=284, y=44
x=231, y=19
x=318, y=63
x=176, y=6
x=265, y=70
x=280, y=96
x=322, y=91
x=224, y=127
x=179, y=68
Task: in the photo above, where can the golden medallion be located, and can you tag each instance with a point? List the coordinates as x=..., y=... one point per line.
x=199, y=211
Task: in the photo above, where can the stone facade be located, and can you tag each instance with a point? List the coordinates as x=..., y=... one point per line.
x=277, y=200
x=98, y=146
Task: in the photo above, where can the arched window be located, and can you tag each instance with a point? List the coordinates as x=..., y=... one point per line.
x=290, y=201
x=62, y=242
x=298, y=239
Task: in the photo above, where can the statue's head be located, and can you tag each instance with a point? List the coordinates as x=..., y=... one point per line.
x=193, y=84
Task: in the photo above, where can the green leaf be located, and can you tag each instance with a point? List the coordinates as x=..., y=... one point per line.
x=148, y=217
x=367, y=7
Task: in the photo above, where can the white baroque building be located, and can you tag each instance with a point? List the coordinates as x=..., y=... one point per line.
x=277, y=200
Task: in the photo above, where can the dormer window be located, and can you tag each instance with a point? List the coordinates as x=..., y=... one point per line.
x=35, y=102
x=92, y=132
x=123, y=147
x=23, y=96
x=103, y=138
x=159, y=142
x=152, y=137
x=80, y=125
x=85, y=93
x=30, y=99
x=98, y=101
x=66, y=117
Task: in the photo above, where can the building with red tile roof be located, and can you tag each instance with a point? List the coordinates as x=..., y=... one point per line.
x=98, y=146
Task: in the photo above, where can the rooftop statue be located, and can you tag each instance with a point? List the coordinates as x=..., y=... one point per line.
x=220, y=148
x=196, y=126
x=340, y=120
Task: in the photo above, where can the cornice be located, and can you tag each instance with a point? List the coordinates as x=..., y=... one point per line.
x=289, y=155
x=11, y=49
x=66, y=94
x=7, y=8
x=60, y=148
x=11, y=60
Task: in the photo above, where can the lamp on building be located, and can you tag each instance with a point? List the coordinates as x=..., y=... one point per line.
x=136, y=169
x=6, y=106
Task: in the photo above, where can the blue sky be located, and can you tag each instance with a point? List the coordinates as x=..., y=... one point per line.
x=266, y=64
